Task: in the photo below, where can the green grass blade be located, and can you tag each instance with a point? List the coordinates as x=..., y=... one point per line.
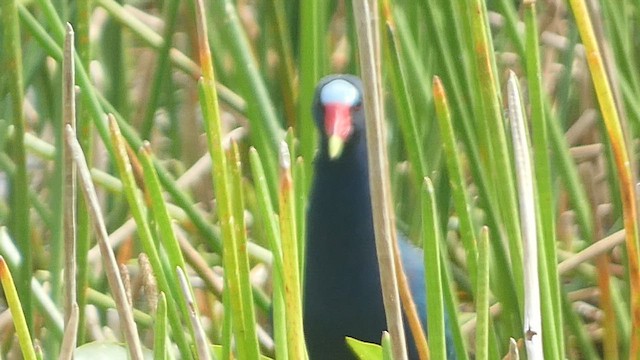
x=267, y=130
x=311, y=53
x=83, y=127
x=621, y=156
x=432, y=238
x=19, y=196
x=240, y=255
x=235, y=261
x=494, y=141
x=286, y=68
x=138, y=210
x=17, y=312
x=482, y=302
x=404, y=108
x=456, y=177
x=266, y=211
x=544, y=192
x=160, y=329
x=165, y=230
x=290, y=259
x=162, y=73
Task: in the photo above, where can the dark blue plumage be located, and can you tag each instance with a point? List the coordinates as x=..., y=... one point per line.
x=342, y=294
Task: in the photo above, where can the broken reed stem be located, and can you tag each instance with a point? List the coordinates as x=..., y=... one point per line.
x=69, y=170
x=125, y=311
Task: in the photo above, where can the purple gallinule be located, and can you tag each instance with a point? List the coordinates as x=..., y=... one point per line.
x=342, y=294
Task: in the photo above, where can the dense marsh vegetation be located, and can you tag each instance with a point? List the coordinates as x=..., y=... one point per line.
x=195, y=139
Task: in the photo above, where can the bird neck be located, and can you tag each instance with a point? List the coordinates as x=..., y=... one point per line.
x=341, y=197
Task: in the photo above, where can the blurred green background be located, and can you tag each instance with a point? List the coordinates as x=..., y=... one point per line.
x=141, y=62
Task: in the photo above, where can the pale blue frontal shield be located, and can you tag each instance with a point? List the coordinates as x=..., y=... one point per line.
x=340, y=91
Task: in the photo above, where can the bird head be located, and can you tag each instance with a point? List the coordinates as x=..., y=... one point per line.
x=338, y=111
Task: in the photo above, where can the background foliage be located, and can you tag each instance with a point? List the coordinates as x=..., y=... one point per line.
x=165, y=207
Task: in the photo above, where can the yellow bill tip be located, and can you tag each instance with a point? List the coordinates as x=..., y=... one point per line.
x=336, y=145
